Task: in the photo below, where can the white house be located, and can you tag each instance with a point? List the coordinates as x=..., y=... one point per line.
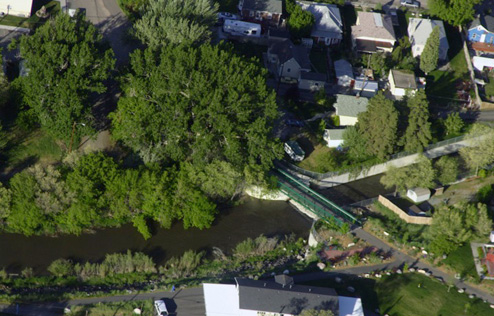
x=288, y=59
x=400, y=82
x=348, y=108
x=293, y=149
x=249, y=297
x=419, y=31
x=333, y=137
x=20, y=8
x=365, y=88
x=240, y=28
x=328, y=27
x=418, y=195
x=480, y=63
x=344, y=72
x=373, y=32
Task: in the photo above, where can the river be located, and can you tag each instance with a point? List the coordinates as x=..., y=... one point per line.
x=234, y=224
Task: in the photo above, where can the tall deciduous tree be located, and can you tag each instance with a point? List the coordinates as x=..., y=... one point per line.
x=480, y=153
x=379, y=125
x=453, y=124
x=430, y=55
x=355, y=143
x=300, y=22
x=420, y=174
x=418, y=133
x=198, y=105
x=447, y=169
x=66, y=61
x=456, y=12
x=186, y=22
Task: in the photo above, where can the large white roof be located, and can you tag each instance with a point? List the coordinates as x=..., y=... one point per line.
x=16, y=7
x=221, y=299
x=350, y=306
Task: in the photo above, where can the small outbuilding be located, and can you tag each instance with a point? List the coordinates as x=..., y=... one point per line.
x=400, y=82
x=418, y=195
x=293, y=149
x=344, y=72
x=334, y=137
x=365, y=88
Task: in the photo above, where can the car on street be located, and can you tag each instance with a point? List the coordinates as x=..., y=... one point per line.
x=160, y=307
x=410, y=3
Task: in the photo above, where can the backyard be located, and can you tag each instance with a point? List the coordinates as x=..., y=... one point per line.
x=52, y=7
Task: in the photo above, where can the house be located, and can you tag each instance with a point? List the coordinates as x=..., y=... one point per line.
x=419, y=31
x=418, y=195
x=373, y=32
x=333, y=137
x=249, y=297
x=20, y=8
x=365, y=88
x=348, y=108
x=240, y=28
x=400, y=82
x=481, y=34
x=292, y=148
x=288, y=59
x=262, y=11
x=312, y=81
x=344, y=72
x=328, y=27
x=479, y=63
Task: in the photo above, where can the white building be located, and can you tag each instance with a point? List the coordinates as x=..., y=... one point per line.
x=253, y=298
x=400, y=82
x=240, y=28
x=333, y=137
x=20, y=8
x=348, y=107
x=419, y=31
x=418, y=195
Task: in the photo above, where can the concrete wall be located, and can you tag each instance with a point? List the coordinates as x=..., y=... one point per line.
x=402, y=214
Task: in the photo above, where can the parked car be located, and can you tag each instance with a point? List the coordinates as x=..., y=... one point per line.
x=161, y=308
x=228, y=16
x=410, y=3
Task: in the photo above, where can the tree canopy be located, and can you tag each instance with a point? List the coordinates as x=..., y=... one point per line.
x=430, y=55
x=456, y=12
x=453, y=124
x=378, y=126
x=421, y=174
x=480, y=153
x=186, y=22
x=418, y=132
x=447, y=169
x=198, y=105
x=66, y=61
x=300, y=22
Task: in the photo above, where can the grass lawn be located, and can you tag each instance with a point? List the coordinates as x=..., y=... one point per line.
x=115, y=309
x=318, y=61
x=321, y=159
x=400, y=295
x=52, y=7
x=489, y=88
x=461, y=261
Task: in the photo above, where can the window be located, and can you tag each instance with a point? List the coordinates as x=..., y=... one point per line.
x=253, y=32
x=288, y=70
x=474, y=36
x=251, y=14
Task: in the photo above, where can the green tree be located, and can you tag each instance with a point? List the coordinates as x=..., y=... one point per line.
x=5, y=203
x=395, y=177
x=418, y=133
x=355, y=144
x=131, y=7
x=456, y=12
x=316, y=312
x=379, y=125
x=186, y=22
x=198, y=105
x=61, y=268
x=447, y=169
x=480, y=151
x=300, y=22
x=430, y=55
x=421, y=174
x=378, y=63
x=4, y=84
x=453, y=124
x=67, y=62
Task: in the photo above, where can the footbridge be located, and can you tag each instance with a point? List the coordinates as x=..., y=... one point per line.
x=311, y=200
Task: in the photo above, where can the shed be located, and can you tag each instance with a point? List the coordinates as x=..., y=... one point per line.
x=366, y=88
x=334, y=137
x=344, y=72
x=400, y=82
x=418, y=195
x=293, y=149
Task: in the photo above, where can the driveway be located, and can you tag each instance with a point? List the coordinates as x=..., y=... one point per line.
x=111, y=21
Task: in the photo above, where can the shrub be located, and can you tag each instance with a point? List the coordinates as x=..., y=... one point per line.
x=61, y=268
x=482, y=173
x=27, y=272
x=485, y=194
x=3, y=275
x=354, y=259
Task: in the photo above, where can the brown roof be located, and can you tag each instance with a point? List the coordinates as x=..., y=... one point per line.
x=370, y=46
x=374, y=25
x=405, y=81
x=483, y=47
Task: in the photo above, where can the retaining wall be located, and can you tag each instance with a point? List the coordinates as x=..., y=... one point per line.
x=402, y=214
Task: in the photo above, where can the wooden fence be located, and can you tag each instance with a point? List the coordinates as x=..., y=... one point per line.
x=419, y=220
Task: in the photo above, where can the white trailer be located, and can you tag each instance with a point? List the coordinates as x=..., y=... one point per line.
x=240, y=28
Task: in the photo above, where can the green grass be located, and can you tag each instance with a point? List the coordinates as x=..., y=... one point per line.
x=489, y=87
x=318, y=61
x=52, y=7
x=461, y=260
x=400, y=295
x=321, y=159
x=114, y=309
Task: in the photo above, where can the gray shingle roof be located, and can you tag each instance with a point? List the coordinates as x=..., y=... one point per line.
x=404, y=80
x=273, y=6
x=343, y=68
x=349, y=105
x=286, y=50
x=419, y=31
x=309, y=75
x=272, y=297
x=486, y=21
x=327, y=19
x=335, y=134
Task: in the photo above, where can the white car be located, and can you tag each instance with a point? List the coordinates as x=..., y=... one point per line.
x=227, y=16
x=160, y=308
x=410, y=3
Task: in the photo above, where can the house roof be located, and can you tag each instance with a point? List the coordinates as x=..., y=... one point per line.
x=334, y=134
x=273, y=6
x=349, y=105
x=420, y=191
x=404, y=80
x=483, y=47
x=286, y=50
x=268, y=296
x=374, y=25
x=420, y=29
x=327, y=19
x=368, y=85
x=16, y=7
x=314, y=76
x=343, y=68
x=486, y=21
